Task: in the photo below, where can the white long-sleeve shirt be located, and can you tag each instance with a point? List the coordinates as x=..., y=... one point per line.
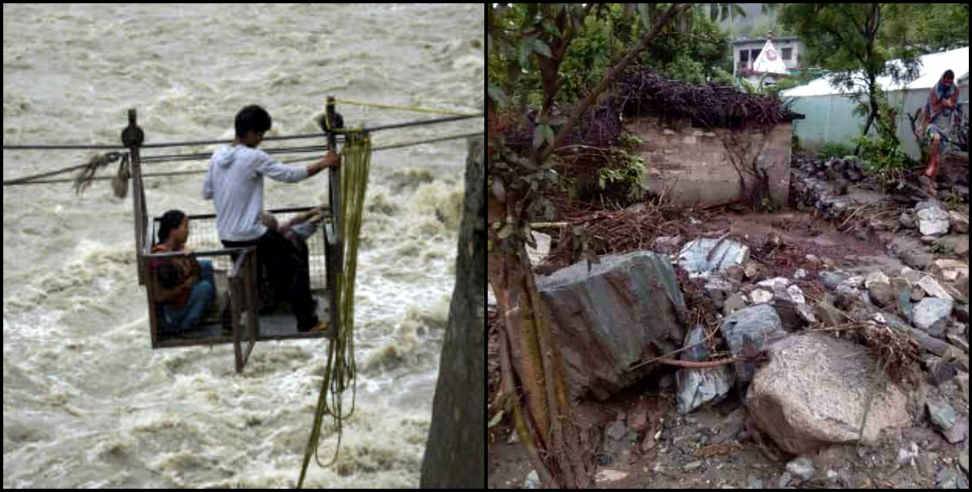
x=234, y=182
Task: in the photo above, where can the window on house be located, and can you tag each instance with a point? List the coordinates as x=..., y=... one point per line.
x=787, y=52
x=744, y=56
x=754, y=54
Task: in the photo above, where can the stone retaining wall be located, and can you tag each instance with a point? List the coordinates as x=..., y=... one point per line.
x=692, y=163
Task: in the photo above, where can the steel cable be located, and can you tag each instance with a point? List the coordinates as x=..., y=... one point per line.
x=26, y=181
x=210, y=142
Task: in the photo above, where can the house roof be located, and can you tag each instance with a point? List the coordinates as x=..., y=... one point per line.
x=930, y=70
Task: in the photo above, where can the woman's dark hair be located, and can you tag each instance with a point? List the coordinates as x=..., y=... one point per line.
x=254, y=118
x=949, y=74
x=170, y=220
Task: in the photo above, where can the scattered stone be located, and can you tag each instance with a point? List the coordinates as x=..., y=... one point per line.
x=668, y=243
x=931, y=314
x=958, y=432
x=928, y=239
x=958, y=244
x=907, y=220
x=538, y=254
x=900, y=283
x=785, y=479
x=795, y=294
x=964, y=461
x=800, y=273
x=754, y=483
x=751, y=270
x=697, y=387
x=946, y=479
x=933, y=288
x=730, y=426
x=831, y=279
x=917, y=293
x=962, y=313
x=912, y=276
x=907, y=456
x=827, y=313
x=609, y=475
x=704, y=255
x=847, y=295
x=941, y=414
x=812, y=393
x=958, y=342
x=876, y=276
x=718, y=289
x=757, y=324
x=904, y=303
x=625, y=301
x=812, y=258
x=916, y=258
x=774, y=283
x=735, y=273
x=760, y=296
x=733, y=303
x=950, y=269
x=882, y=294
x=801, y=467
x=806, y=313
x=691, y=466
x=514, y=438
x=532, y=480
x=959, y=222
x=932, y=218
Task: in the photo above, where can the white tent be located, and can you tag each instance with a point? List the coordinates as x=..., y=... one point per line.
x=769, y=60
x=829, y=111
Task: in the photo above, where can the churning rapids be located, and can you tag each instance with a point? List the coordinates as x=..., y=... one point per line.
x=86, y=402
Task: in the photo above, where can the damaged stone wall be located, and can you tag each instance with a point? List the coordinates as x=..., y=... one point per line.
x=692, y=167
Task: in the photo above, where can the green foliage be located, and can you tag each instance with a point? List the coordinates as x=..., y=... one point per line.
x=625, y=178
x=834, y=149
x=855, y=42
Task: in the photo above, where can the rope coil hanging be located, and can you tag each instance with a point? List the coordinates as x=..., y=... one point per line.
x=340, y=371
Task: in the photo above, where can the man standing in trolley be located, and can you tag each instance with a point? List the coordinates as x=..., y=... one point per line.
x=234, y=182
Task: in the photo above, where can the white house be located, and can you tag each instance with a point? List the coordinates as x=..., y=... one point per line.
x=746, y=52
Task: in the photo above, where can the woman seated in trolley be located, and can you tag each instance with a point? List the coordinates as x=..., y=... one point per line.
x=184, y=286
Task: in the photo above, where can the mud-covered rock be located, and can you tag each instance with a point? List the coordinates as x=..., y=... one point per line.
x=704, y=255
x=812, y=392
x=628, y=308
x=697, y=387
x=755, y=326
x=931, y=315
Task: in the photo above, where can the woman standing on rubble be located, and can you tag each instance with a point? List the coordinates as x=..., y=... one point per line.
x=937, y=115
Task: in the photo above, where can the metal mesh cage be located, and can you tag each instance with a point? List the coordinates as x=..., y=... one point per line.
x=203, y=236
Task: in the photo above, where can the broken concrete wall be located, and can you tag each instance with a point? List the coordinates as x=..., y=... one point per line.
x=693, y=165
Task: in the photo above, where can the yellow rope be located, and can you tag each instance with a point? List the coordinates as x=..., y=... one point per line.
x=340, y=371
x=405, y=108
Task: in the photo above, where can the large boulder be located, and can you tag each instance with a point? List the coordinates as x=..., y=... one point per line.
x=628, y=308
x=754, y=326
x=812, y=393
x=702, y=256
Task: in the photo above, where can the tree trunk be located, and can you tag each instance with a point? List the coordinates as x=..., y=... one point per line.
x=455, y=453
x=532, y=370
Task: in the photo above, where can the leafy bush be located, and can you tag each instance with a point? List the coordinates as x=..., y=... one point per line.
x=834, y=149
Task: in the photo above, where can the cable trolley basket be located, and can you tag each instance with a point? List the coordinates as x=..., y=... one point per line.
x=236, y=281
